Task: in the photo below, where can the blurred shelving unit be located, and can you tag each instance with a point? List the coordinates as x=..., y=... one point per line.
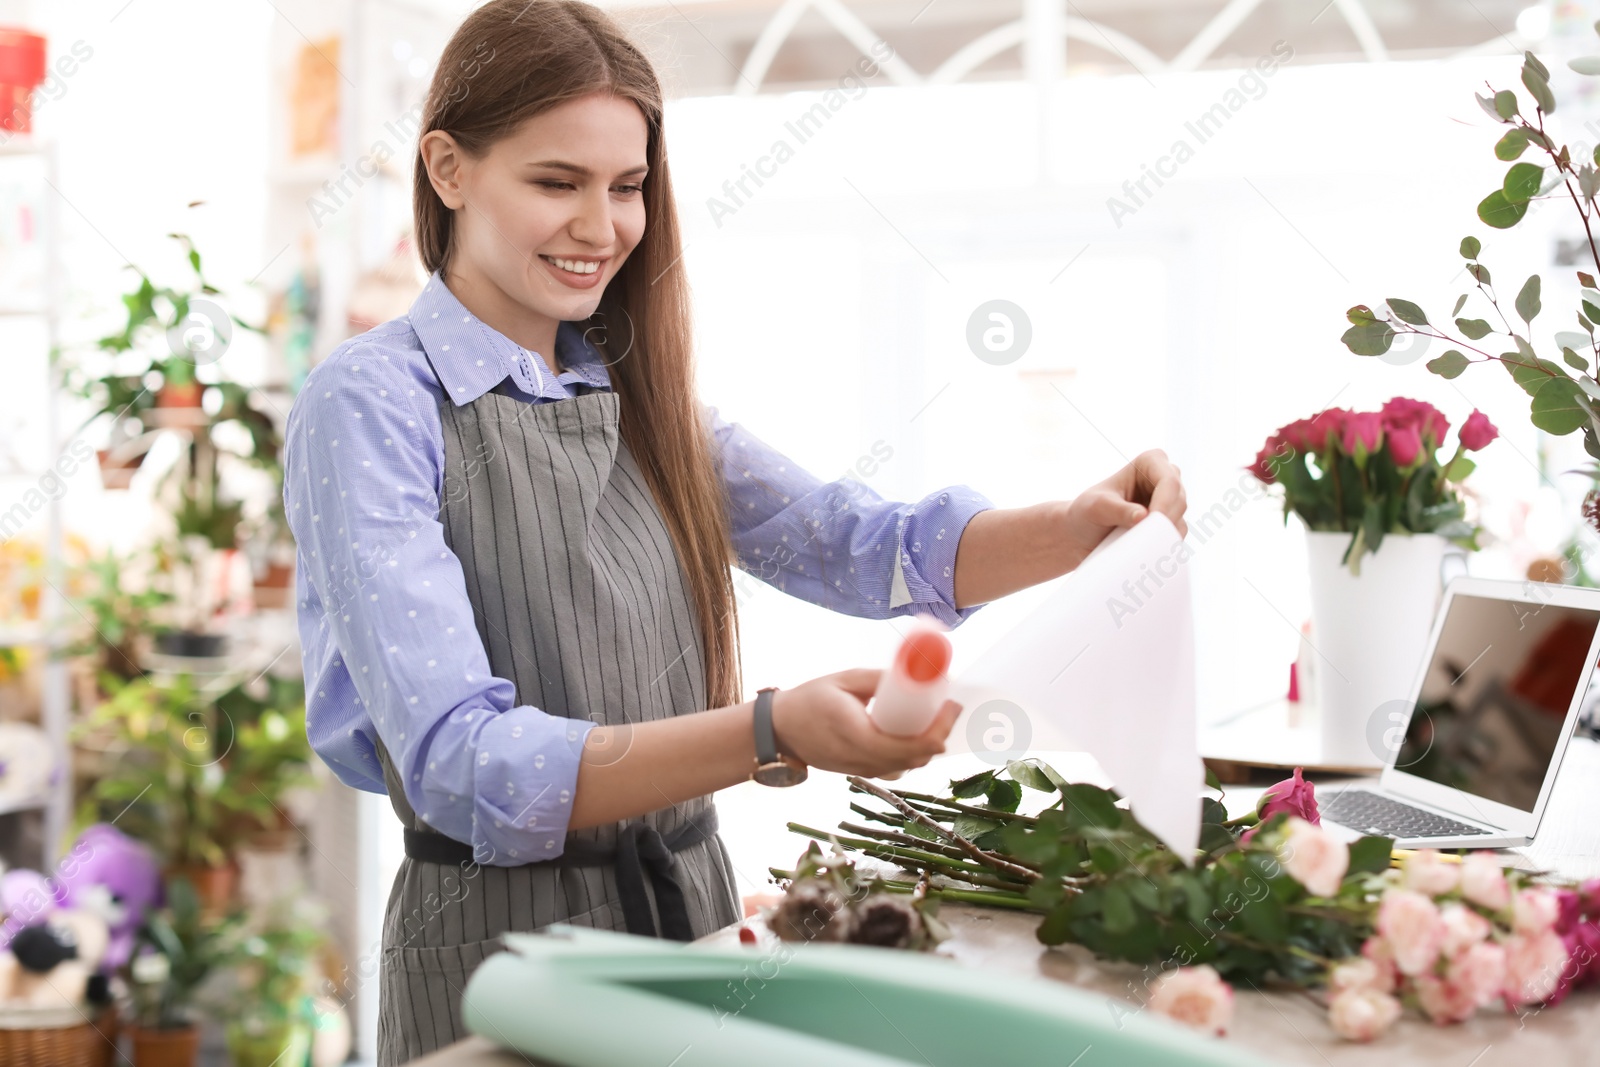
x=30, y=289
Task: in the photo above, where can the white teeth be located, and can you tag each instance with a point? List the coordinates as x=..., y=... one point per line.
x=575, y=266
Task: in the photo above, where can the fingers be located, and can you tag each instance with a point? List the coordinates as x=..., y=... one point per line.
x=861, y=682
x=1161, y=479
x=1109, y=509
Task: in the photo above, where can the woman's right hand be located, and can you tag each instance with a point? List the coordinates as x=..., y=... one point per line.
x=824, y=724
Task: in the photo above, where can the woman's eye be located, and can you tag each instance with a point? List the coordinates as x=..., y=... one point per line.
x=630, y=188
x=554, y=184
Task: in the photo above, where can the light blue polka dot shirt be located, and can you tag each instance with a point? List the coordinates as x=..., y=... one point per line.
x=389, y=646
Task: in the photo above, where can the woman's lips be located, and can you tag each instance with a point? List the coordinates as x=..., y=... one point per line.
x=573, y=278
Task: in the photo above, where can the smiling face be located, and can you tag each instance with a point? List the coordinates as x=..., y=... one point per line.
x=546, y=217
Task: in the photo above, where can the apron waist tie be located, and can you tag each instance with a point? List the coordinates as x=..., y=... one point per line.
x=639, y=847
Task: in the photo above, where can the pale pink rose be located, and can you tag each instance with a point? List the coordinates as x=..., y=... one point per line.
x=1410, y=922
x=1463, y=928
x=1479, y=971
x=1534, y=911
x=1362, y=1014
x=1378, y=951
x=1195, y=996
x=1428, y=872
x=1445, y=1001
x=1359, y=973
x=1483, y=882
x=1534, y=963
x=1313, y=857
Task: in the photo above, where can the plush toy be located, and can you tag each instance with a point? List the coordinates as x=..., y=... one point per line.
x=112, y=875
x=25, y=897
x=53, y=964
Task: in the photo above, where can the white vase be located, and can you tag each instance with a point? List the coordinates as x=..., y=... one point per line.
x=1370, y=634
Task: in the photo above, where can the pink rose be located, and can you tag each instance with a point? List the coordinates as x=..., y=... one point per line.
x=1483, y=882
x=1477, y=432
x=1404, y=445
x=1463, y=928
x=1313, y=857
x=1362, y=1014
x=1293, y=795
x=1535, y=910
x=1419, y=415
x=1534, y=963
x=1479, y=971
x=1358, y=972
x=1583, y=959
x=1428, y=872
x=1569, y=909
x=1195, y=996
x=1444, y=1001
x=1364, y=428
x=1264, y=466
x=1298, y=435
x=1410, y=922
x=1377, y=950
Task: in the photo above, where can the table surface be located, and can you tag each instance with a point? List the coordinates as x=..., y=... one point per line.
x=1289, y=1027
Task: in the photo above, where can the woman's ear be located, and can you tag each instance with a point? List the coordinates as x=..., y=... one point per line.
x=444, y=159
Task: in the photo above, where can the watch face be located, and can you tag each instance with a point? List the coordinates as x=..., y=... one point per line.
x=780, y=774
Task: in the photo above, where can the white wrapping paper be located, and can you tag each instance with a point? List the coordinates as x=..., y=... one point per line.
x=1105, y=665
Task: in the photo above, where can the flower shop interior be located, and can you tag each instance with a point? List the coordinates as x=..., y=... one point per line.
x=1003, y=244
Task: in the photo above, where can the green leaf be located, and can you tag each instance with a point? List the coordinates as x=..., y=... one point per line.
x=1029, y=775
x=1360, y=315
x=1373, y=339
x=1505, y=104
x=1592, y=311
x=1528, y=299
x=1474, y=329
x=1089, y=805
x=975, y=786
x=1370, y=854
x=1449, y=365
x=1479, y=272
x=1458, y=469
x=1586, y=279
x=1522, y=182
x=1539, y=85
x=972, y=827
x=1528, y=373
x=1512, y=145
x=1004, y=795
x=1214, y=838
x=1470, y=247
x=1559, y=407
x=1461, y=302
x=1117, y=910
x=1573, y=360
x=1531, y=61
x=1266, y=919
x=1495, y=210
x=1056, y=927
x=1212, y=781
x=1589, y=65
x=1572, y=339
x=1407, y=312
x=1211, y=810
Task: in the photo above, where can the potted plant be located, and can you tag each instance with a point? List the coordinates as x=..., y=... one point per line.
x=269, y=758
x=180, y=946
x=166, y=780
x=1382, y=506
x=269, y=1009
x=1564, y=393
x=119, y=606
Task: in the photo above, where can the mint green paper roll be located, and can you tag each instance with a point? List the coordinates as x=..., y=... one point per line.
x=597, y=998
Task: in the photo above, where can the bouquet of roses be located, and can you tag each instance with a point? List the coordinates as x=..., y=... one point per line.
x=1372, y=473
x=1269, y=897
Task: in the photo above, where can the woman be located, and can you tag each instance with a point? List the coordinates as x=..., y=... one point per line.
x=515, y=523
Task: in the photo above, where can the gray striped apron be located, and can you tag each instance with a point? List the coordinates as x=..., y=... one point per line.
x=578, y=596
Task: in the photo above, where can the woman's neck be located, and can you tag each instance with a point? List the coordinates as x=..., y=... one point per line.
x=500, y=311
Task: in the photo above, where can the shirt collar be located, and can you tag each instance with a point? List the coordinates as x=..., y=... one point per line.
x=472, y=357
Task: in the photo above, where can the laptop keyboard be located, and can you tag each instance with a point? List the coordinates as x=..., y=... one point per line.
x=1372, y=813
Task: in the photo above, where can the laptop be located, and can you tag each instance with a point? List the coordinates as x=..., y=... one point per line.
x=1471, y=756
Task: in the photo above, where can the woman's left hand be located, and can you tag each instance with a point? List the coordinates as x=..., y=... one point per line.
x=1150, y=483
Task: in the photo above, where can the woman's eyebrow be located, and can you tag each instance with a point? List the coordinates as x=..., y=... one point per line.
x=556, y=164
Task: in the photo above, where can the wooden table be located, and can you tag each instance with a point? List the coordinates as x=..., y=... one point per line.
x=1289, y=1027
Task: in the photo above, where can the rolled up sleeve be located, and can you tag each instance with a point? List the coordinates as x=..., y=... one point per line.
x=840, y=544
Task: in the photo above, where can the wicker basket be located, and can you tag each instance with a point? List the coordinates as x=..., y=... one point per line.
x=48, y=1037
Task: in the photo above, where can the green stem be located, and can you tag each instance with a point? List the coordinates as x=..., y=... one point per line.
x=985, y=897
x=956, y=868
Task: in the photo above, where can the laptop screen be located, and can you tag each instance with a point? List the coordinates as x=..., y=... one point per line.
x=1494, y=702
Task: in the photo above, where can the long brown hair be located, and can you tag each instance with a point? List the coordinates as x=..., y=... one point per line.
x=509, y=61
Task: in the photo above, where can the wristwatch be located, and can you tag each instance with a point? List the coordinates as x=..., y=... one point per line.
x=772, y=768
